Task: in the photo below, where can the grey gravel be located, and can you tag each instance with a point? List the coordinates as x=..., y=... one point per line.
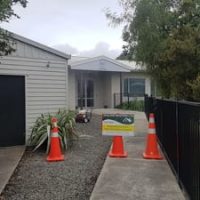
x=74, y=178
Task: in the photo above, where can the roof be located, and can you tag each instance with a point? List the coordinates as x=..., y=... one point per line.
x=100, y=63
x=40, y=46
x=75, y=59
x=133, y=65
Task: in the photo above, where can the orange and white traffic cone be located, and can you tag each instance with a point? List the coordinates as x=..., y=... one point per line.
x=55, y=153
x=118, y=148
x=151, y=151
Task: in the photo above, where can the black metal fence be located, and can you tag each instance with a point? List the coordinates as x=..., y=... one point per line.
x=178, y=130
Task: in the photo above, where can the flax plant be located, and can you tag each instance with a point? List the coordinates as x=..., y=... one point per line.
x=41, y=130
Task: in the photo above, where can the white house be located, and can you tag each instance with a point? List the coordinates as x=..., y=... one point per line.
x=102, y=82
x=36, y=79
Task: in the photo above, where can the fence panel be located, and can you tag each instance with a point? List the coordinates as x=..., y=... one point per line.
x=165, y=113
x=189, y=148
x=178, y=130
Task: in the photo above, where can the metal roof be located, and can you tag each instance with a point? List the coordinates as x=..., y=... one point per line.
x=133, y=65
x=40, y=46
x=100, y=63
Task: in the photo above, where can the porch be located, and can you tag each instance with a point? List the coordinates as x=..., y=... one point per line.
x=95, y=81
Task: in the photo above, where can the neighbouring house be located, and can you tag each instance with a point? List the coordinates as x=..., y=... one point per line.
x=102, y=82
x=37, y=79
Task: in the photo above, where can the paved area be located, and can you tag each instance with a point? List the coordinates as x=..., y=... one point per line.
x=9, y=159
x=134, y=178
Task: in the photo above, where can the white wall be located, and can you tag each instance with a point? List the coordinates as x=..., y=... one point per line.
x=115, y=86
x=107, y=90
x=46, y=88
x=103, y=89
x=98, y=89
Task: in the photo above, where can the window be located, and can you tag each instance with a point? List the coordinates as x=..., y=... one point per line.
x=134, y=87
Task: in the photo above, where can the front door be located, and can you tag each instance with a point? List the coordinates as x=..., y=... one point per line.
x=85, y=93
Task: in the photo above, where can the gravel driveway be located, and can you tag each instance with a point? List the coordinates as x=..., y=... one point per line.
x=73, y=178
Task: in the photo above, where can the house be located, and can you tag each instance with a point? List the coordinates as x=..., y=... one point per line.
x=102, y=82
x=37, y=79
x=33, y=80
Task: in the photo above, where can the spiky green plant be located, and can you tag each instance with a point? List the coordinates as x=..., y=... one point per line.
x=66, y=123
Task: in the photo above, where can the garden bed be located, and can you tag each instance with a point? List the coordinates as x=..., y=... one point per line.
x=73, y=178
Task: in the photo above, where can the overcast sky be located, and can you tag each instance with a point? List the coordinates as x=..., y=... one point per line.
x=77, y=27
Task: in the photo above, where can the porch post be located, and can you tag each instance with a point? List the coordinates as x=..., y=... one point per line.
x=120, y=88
x=82, y=91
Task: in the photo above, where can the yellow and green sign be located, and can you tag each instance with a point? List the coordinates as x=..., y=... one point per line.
x=118, y=125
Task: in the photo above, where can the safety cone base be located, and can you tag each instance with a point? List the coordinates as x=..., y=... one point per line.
x=60, y=158
x=118, y=155
x=157, y=157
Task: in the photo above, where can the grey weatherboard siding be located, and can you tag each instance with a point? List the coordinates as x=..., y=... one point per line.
x=46, y=88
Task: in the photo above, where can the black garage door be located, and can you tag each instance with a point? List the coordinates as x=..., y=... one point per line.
x=12, y=110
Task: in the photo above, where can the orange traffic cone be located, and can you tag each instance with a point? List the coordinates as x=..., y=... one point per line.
x=151, y=151
x=117, y=148
x=55, y=153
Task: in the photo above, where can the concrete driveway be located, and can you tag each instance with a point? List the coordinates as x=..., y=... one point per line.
x=9, y=159
x=134, y=177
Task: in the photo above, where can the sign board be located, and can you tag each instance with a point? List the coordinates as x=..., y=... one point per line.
x=117, y=125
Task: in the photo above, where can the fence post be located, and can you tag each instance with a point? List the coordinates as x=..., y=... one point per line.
x=121, y=89
x=128, y=101
x=114, y=100
x=147, y=105
x=177, y=140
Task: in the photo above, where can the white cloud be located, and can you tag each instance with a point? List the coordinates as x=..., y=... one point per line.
x=101, y=48
x=66, y=48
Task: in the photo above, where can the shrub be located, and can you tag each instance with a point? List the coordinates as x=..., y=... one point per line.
x=195, y=87
x=66, y=123
x=137, y=105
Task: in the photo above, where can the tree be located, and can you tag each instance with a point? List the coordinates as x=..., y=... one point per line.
x=6, y=12
x=195, y=85
x=163, y=35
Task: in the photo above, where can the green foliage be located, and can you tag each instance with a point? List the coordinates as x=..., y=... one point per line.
x=136, y=105
x=163, y=35
x=66, y=123
x=6, y=43
x=6, y=12
x=195, y=85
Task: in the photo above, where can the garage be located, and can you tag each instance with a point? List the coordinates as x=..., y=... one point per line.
x=33, y=81
x=12, y=114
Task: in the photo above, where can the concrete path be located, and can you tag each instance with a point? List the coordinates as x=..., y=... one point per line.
x=9, y=159
x=135, y=178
